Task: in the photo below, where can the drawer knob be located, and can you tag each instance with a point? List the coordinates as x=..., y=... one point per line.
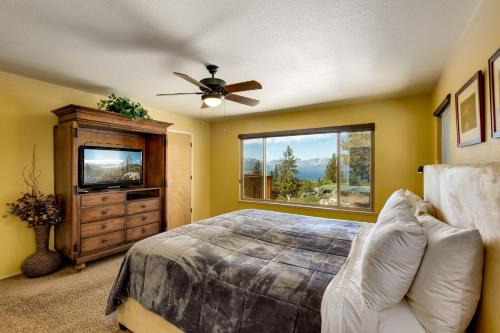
x=104, y=240
x=144, y=218
x=103, y=226
x=143, y=206
x=104, y=211
x=104, y=198
x=143, y=230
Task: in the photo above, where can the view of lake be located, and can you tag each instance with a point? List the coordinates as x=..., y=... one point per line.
x=308, y=169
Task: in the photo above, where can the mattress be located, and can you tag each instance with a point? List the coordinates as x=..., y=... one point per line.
x=244, y=271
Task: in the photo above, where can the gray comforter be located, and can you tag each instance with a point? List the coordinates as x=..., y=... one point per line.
x=245, y=271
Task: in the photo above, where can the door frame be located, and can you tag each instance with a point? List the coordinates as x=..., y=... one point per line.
x=192, y=166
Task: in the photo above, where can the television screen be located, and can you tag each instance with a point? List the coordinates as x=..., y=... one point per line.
x=110, y=166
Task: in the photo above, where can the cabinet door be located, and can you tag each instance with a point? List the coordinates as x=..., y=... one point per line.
x=179, y=174
x=66, y=179
x=155, y=160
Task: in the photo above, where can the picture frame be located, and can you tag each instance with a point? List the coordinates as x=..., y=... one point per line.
x=494, y=76
x=469, y=105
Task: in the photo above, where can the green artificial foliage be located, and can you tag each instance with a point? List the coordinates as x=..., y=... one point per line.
x=123, y=106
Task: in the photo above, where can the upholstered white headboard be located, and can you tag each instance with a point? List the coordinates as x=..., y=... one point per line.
x=468, y=196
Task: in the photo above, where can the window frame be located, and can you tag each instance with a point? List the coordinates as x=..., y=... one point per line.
x=320, y=130
x=444, y=107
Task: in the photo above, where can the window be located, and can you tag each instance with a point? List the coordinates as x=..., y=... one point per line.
x=444, y=124
x=324, y=167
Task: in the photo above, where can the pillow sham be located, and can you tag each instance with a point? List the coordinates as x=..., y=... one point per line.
x=391, y=256
x=447, y=287
x=397, y=199
x=413, y=199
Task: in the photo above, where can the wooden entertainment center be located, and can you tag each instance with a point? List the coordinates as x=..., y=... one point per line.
x=102, y=222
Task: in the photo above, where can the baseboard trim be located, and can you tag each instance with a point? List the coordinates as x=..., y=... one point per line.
x=10, y=275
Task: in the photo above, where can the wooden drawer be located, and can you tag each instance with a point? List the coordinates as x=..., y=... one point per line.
x=141, y=206
x=102, y=241
x=103, y=198
x=101, y=213
x=141, y=232
x=102, y=227
x=144, y=218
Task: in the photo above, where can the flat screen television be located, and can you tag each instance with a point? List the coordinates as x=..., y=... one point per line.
x=103, y=167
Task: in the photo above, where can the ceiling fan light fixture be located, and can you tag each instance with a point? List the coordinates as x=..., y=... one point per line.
x=214, y=90
x=212, y=99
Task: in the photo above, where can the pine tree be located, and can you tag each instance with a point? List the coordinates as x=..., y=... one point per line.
x=359, y=165
x=257, y=168
x=359, y=157
x=128, y=163
x=287, y=169
x=331, y=169
x=275, y=182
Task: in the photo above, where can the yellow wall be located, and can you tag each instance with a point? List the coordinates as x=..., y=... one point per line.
x=25, y=120
x=477, y=44
x=403, y=141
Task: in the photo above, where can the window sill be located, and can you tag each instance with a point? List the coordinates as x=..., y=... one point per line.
x=295, y=205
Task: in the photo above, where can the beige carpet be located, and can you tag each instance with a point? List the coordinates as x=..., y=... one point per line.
x=65, y=301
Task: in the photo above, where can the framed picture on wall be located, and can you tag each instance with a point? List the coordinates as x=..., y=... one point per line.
x=469, y=103
x=494, y=70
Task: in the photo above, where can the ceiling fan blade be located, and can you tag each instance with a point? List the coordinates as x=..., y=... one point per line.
x=242, y=86
x=175, y=94
x=193, y=81
x=204, y=106
x=242, y=99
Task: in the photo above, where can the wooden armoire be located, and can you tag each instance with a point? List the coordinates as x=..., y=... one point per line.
x=101, y=222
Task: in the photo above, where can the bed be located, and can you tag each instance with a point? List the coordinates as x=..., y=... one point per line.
x=260, y=271
x=246, y=271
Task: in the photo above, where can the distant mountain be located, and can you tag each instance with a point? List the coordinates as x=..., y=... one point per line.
x=248, y=164
x=308, y=169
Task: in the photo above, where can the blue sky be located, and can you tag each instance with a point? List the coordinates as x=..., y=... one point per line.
x=110, y=157
x=304, y=146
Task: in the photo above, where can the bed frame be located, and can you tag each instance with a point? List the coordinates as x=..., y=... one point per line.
x=133, y=316
x=464, y=196
x=468, y=196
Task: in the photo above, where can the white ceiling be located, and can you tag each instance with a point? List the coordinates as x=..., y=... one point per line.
x=303, y=52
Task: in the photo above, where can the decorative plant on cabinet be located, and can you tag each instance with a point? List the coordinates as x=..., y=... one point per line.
x=123, y=106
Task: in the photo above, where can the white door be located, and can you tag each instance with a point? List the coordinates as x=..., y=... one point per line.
x=179, y=176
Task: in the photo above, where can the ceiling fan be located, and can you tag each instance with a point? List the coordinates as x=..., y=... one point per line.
x=214, y=90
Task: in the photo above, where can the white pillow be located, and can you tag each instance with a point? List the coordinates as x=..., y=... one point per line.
x=447, y=287
x=391, y=256
x=397, y=199
x=413, y=199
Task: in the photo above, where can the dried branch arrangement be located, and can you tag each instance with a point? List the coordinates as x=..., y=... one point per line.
x=33, y=206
